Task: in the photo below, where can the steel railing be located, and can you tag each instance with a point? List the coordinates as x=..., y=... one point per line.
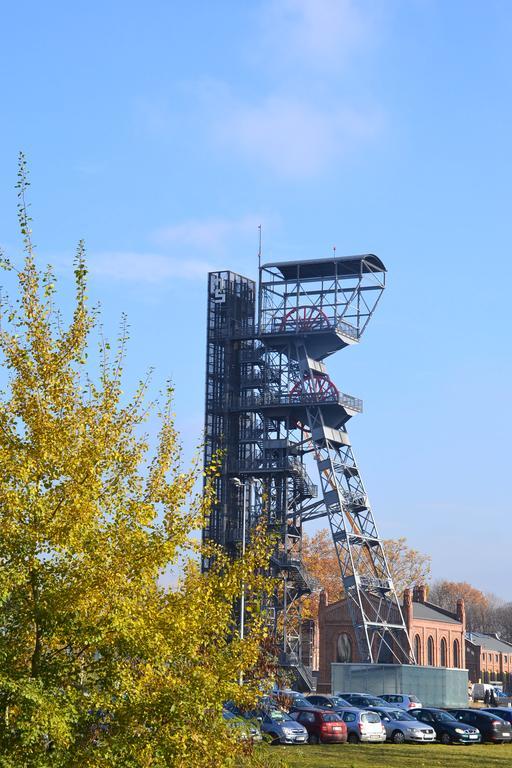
x=278, y=326
x=253, y=399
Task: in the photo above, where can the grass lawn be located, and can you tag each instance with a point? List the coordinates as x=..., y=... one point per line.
x=398, y=756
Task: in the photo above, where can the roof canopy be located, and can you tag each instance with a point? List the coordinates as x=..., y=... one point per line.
x=336, y=266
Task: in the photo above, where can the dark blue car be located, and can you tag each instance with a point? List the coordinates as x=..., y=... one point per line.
x=492, y=727
x=504, y=712
x=448, y=729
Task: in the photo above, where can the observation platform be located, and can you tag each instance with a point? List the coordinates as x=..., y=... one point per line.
x=337, y=409
x=323, y=336
x=320, y=341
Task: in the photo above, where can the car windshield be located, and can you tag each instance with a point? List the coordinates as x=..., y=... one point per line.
x=277, y=715
x=443, y=717
x=373, y=701
x=414, y=699
x=338, y=701
x=400, y=714
x=370, y=717
x=301, y=701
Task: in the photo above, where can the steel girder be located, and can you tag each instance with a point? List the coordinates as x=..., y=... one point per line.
x=374, y=607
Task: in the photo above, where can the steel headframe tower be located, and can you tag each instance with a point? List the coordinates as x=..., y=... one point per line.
x=271, y=406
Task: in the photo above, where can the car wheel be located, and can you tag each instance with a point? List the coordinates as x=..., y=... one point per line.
x=445, y=738
x=274, y=739
x=313, y=739
x=353, y=738
x=397, y=737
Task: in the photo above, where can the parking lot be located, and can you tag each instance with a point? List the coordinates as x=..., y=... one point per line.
x=397, y=756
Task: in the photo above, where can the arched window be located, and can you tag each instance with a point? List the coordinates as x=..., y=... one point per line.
x=444, y=653
x=430, y=652
x=456, y=654
x=344, y=648
x=417, y=649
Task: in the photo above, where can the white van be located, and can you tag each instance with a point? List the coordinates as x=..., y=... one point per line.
x=478, y=691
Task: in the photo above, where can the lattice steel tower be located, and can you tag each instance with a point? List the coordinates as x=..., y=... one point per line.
x=271, y=406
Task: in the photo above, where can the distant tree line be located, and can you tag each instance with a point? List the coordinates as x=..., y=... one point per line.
x=485, y=612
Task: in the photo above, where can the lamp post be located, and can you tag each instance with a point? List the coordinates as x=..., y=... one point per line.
x=243, y=485
x=240, y=484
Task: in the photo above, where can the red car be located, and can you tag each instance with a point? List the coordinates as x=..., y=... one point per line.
x=322, y=727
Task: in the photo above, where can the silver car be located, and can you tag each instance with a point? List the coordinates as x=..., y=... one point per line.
x=401, y=726
x=402, y=700
x=245, y=730
x=280, y=727
x=362, y=725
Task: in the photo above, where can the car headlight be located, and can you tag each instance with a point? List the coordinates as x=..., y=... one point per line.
x=287, y=731
x=461, y=730
x=416, y=731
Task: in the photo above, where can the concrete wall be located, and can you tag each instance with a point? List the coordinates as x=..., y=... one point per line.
x=434, y=686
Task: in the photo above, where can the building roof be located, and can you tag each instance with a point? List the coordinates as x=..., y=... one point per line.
x=489, y=642
x=338, y=265
x=421, y=611
x=430, y=612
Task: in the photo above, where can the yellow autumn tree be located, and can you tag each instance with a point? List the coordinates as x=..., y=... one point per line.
x=100, y=663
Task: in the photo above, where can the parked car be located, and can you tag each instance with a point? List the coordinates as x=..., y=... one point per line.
x=448, y=729
x=327, y=702
x=279, y=726
x=504, y=712
x=362, y=725
x=401, y=726
x=362, y=700
x=287, y=699
x=245, y=729
x=323, y=727
x=492, y=727
x=402, y=700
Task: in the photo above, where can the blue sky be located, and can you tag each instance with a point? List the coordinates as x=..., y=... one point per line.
x=163, y=133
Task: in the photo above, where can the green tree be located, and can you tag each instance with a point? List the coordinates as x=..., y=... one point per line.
x=100, y=664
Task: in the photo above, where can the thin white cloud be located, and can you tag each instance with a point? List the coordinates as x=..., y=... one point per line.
x=146, y=267
x=213, y=233
x=295, y=138
x=301, y=118
x=302, y=121
x=188, y=250
x=313, y=33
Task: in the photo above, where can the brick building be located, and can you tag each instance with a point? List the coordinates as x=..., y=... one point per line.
x=488, y=659
x=437, y=635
